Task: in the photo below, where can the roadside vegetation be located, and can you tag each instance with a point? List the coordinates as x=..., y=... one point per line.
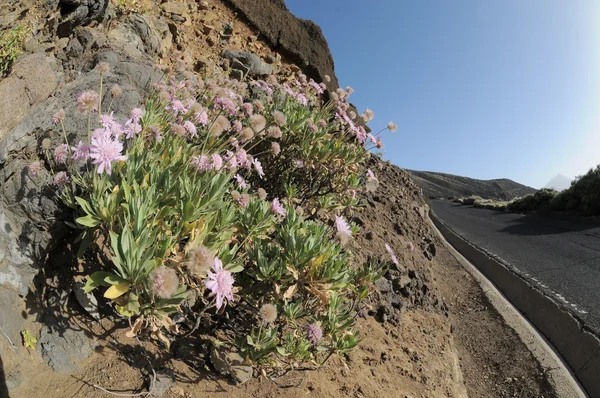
x=582, y=196
x=220, y=209
x=11, y=45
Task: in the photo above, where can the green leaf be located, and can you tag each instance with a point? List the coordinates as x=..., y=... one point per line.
x=85, y=205
x=88, y=221
x=86, y=240
x=95, y=280
x=28, y=340
x=113, y=279
x=188, y=211
x=133, y=305
x=234, y=269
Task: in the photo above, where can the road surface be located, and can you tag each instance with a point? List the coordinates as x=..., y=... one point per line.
x=562, y=258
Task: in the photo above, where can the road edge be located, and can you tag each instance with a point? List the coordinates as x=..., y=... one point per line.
x=496, y=281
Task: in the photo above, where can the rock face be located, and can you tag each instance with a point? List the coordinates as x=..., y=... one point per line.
x=63, y=351
x=248, y=63
x=300, y=40
x=31, y=218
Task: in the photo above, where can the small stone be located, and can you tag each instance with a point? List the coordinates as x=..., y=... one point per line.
x=271, y=59
x=247, y=61
x=164, y=380
x=230, y=363
x=383, y=285
x=174, y=7
x=13, y=380
x=86, y=300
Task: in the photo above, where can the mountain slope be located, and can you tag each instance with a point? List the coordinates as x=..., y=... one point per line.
x=442, y=185
x=559, y=182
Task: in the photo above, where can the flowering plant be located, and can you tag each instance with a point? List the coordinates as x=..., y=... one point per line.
x=204, y=208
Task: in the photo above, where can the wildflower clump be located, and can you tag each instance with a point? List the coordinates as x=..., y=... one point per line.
x=219, y=203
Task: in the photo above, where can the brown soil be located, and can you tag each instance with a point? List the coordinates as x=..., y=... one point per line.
x=494, y=361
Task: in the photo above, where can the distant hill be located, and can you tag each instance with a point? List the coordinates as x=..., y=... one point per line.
x=442, y=185
x=560, y=182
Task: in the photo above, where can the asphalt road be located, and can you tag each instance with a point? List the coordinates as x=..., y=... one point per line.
x=562, y=258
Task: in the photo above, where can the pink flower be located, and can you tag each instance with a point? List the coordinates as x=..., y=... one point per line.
x=201, y=163
x=88, y=101
x=392, y=127
x=343, y=229
x=58, y=116
x=61, y=179
x=240, y=181
x=177, y=107
x=220, y=283
x=392, y=254
x=259, y=106
x=131, y=128
x=257, y=122
x=81, y=152
x=278, y=208
x=217, y=161
x=248, y=108
x=60, y=153
x=314, y=333
x=311, y=126
x=371, y=175
x=163, y=282
x=109, y=123
x=105, y=150
x=237, y=126
x=201, y=118
x=258, y=168
x=322, y=123
x=190, y=128
x=410, y=246
x=298, y=163
x=136, y=114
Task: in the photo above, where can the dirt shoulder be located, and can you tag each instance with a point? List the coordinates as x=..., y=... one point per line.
x=493, y=359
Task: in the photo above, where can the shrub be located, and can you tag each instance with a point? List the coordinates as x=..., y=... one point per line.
x=176, y=199
x=471, y=200
x=539, y=200
x=11, y=45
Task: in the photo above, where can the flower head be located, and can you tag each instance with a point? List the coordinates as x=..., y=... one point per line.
x=116, y=90
x=343, y=229
x=392, y=254
x=81, y=152
x=104, y=150
x=88, y=101
x=58, y=116
x=278, y=208
x=268, y=313
x=103, y=67
x=190, y=128
x=314, y=333
x=392, y=127
x=257, y=122
x=274, y=131
x=60, y=153
x=327, y=78
x=34, y=168
x=368, y=115
x=201, y=163
x=275, y=148
x=279, y=117
x=371, y=175
x=248, y=133
x=220, y=124
x=200, y=260
x=61, y=179
x=262, y=194
x=220, y=283
x=163, y=282
x=240, y=181
x=247, y=108
x=217, y=161
x=258, y=167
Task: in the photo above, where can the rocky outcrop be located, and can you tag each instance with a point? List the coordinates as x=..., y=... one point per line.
x=300, y=40
x=41, y=83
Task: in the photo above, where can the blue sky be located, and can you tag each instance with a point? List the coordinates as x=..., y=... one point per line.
x=485, y=89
